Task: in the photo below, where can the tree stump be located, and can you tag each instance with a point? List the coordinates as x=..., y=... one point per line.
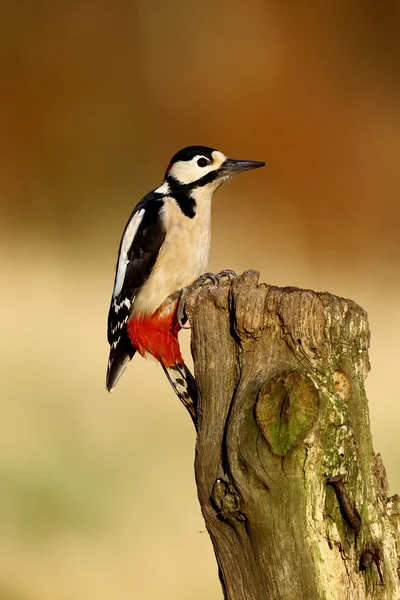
x=293, y=496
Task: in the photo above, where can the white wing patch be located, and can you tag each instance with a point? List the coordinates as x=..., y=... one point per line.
x=127, y=240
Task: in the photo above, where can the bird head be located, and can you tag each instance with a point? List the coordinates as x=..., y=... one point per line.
x=200, y=166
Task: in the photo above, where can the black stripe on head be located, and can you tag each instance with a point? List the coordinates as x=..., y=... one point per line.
x=186, y=188
x=206, y=179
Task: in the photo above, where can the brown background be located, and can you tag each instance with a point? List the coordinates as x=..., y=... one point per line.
x=97, y=498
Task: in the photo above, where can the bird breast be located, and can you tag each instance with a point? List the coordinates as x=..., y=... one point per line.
x=183, y=256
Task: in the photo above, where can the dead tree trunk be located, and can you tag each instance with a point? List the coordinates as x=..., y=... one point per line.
x=282, y=414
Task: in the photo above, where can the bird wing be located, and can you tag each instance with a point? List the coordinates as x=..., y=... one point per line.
x=142, y=239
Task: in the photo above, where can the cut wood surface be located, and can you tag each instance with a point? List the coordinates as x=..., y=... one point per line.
x=293, y=496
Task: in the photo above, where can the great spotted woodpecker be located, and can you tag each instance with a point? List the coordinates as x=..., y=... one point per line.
x=165, y=247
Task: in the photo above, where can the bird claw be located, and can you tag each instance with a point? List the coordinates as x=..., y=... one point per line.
x=180, y=311
x=206, y=278
x=228, y=273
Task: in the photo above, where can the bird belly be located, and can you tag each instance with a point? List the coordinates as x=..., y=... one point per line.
x=175, y=269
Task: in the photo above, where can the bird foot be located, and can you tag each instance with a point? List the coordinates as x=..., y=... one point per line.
x=205, y=279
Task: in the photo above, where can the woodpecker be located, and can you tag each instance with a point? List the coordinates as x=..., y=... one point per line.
x=164, y=248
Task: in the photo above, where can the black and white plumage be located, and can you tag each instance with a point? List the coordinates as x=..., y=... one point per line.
x=184, y=385
x=165, y=245
x=141, y=241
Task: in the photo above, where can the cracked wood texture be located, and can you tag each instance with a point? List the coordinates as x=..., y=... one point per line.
x=282, y=409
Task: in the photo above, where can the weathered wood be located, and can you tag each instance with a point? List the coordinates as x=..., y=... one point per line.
x=281, y=411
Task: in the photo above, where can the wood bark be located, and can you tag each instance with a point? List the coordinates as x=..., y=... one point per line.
x=281, y=415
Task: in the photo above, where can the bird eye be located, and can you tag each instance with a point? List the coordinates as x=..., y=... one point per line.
x=203, y=162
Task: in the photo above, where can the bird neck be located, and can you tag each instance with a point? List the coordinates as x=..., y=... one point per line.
x=202, y=197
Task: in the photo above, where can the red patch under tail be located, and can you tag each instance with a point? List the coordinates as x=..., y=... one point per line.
x=157, y=335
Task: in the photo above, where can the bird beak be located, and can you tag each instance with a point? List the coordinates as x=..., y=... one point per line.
x=231, y=167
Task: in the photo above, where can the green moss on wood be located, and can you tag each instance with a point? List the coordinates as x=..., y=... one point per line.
x=286, y=410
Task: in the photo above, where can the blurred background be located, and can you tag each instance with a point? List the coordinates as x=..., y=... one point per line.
x=97, y=497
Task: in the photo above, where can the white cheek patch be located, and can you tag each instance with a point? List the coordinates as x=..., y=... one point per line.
x=127, y=240
x=188, y=171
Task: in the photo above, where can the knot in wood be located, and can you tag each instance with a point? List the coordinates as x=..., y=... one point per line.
x=286, y=410
x=226, y=501
x=366, y=560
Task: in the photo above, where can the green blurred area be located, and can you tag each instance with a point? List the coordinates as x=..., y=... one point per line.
x=97, y=498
